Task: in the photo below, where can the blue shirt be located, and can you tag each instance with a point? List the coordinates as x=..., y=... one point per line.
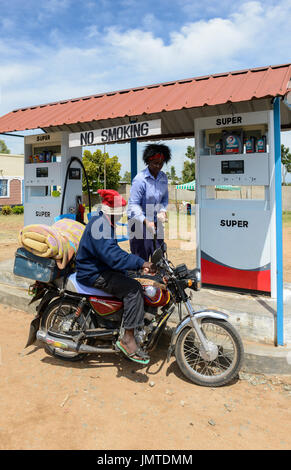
x=99, y=251
x=148, y=196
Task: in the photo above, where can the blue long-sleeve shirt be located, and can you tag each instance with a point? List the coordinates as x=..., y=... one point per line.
x=148, y=196
x=99, y=251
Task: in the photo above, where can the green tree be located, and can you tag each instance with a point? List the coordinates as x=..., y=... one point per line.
x=3, y=147
x=172, y=177
x=286, y=161
x=102, y=170
x=127, y=177
x=188, y=172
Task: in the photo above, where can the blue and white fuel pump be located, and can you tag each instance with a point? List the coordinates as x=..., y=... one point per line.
x=47, y=157
x=237, y=237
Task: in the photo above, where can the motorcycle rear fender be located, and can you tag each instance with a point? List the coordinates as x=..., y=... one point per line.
x=207, y=313
x=34, y=325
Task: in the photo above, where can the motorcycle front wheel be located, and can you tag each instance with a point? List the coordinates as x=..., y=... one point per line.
x=224, y=367
x=56, y=315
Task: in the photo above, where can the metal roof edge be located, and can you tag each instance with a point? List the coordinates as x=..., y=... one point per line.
x=138, y=88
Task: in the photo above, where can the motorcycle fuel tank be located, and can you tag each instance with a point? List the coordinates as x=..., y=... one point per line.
x=155, y=296
x=105, y=306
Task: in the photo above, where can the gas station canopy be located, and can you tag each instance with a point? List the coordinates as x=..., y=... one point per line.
x=176, y=103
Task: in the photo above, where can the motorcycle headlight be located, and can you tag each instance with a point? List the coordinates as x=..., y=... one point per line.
x=195, y=276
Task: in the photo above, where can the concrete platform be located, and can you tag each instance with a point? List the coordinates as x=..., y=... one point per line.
x=253, y=315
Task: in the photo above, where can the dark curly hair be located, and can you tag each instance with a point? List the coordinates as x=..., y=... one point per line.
x=152, y=149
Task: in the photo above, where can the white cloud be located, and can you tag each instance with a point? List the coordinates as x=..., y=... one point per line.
x=243, y=39
x=92, y=31
x=151, y=23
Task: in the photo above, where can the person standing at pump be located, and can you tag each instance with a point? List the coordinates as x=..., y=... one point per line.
x=148, y=201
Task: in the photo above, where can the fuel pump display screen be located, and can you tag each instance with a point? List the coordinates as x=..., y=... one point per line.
x=42, y=172
x=232, y=167
x=74, y=173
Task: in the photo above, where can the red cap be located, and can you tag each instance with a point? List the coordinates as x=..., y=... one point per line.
x=112, y=201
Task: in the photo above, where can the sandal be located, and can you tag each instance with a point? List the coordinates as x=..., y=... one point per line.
x=137, y=356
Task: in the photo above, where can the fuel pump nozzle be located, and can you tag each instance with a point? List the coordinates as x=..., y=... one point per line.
x=80, y=210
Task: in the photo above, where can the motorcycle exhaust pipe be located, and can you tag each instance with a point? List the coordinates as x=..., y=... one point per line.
x=69, y=345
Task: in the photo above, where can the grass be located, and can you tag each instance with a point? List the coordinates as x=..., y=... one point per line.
x=286, y=218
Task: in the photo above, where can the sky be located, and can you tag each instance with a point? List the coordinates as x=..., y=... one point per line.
x=59, y=49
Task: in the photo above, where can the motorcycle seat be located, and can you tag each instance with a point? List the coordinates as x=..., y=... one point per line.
x=73, y=285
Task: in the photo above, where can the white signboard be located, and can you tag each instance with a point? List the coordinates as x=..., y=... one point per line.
x=44, y=139
x=243, y=119
x=115, y=134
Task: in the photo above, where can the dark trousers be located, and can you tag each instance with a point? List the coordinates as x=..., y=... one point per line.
x=131, y=293
x=143, y=246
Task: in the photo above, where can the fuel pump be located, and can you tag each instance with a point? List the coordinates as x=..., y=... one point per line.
x=236, y=235
x=48, y=164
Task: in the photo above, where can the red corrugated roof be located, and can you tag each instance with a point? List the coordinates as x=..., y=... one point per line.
x=237, y=86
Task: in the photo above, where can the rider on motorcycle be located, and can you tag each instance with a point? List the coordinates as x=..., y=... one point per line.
x=100, y=262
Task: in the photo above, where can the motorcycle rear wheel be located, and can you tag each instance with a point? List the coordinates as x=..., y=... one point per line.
x=58, y=312
x=221, y=370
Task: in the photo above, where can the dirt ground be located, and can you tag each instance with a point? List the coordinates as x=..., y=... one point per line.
x=109, y=402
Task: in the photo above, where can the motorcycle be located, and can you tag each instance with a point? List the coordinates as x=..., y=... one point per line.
x=74, y=320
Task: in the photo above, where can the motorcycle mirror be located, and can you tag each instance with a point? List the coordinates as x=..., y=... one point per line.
x=157, y=256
